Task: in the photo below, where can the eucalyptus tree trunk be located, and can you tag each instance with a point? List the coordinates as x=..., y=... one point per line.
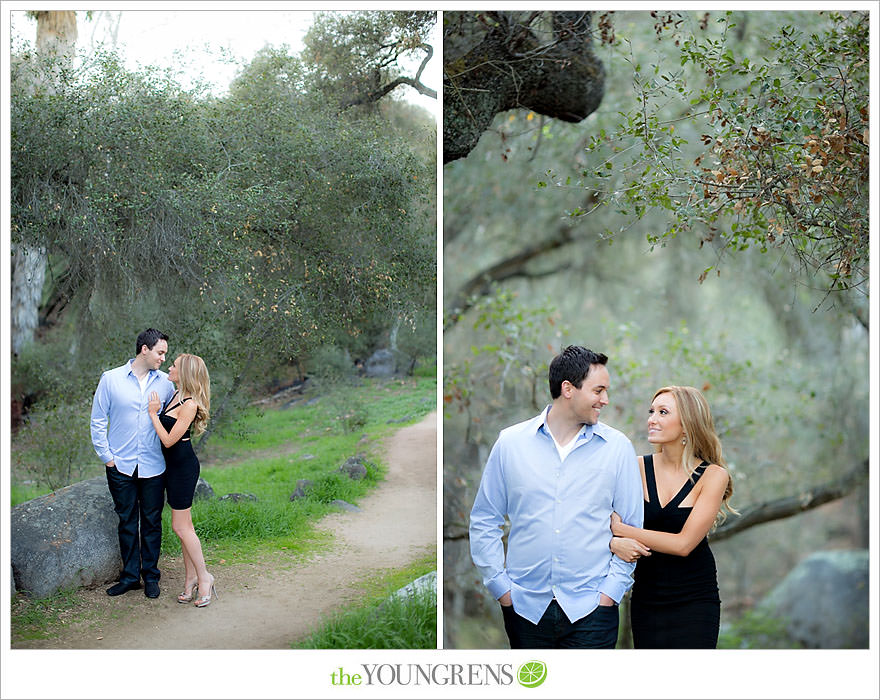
x=56, y=38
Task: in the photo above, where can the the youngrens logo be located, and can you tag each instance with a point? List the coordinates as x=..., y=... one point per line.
x=529, y=675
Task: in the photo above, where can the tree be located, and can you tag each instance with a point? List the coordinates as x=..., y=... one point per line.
x=55, y=46
x=495, y=61
x=359, y=58
x=784, y=158
x=263, y=217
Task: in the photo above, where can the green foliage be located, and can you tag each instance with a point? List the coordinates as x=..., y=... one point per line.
x=353, y=55
x=252, y=228
x=779, y=129
x=54, y=449
x=507, y=361
x=756, y=630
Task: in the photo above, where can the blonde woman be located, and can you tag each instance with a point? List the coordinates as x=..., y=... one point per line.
x=675, y=602
x=186, y=412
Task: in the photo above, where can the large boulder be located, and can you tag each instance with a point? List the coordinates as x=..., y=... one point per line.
x=203, y=491
x=380, y=364
x=824, y=600
x=65, y=539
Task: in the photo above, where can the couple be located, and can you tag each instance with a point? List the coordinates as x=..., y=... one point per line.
x=141, y=428
x=561, y=477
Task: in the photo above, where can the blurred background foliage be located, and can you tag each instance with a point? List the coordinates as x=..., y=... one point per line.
x=706, y=225
x=272, y=228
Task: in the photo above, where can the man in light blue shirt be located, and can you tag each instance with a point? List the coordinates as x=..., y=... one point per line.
x=558, y=477
x=125, y=440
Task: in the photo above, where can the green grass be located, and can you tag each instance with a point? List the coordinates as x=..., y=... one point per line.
x=37, y=618
x=319, y=419
x=379, y=622
x=268, y=451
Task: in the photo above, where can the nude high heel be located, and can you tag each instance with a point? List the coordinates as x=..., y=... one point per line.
x=205, y=600
x=187, y=598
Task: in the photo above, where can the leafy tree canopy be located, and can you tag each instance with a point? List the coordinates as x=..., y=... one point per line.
x=358, y=58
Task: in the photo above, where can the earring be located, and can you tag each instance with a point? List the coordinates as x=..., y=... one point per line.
x=684, y=439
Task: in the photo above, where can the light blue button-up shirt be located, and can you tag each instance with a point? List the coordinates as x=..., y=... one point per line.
x=122, y=431
x=559, y=515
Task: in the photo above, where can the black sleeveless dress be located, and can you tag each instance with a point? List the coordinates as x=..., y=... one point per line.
x=181, y=464
x=675, y=602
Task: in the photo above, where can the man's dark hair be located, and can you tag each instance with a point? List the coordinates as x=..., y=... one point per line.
x=572, y=364
x=149, y=338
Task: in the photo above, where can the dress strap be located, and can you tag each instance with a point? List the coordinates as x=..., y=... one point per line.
x=688, y=485
x=650, y=479
x=179, y=403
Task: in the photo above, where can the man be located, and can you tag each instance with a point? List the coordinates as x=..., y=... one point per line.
x=125, y=440
x=558, y=477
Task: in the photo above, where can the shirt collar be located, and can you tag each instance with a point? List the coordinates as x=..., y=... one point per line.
x=131, y=371
x=586, y=431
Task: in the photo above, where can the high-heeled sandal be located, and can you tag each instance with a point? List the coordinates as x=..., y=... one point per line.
x=187, y=598
x=205, y=600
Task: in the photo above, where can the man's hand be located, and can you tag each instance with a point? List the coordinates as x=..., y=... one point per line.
x=605, y=600
x=505, y=600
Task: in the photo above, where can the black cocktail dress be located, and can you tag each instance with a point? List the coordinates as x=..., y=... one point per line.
x=675, y=602
x=181, y=463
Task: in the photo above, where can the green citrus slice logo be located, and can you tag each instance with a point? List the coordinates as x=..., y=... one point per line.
x=531, y=674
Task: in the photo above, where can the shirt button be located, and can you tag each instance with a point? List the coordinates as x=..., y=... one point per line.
x=557, y=532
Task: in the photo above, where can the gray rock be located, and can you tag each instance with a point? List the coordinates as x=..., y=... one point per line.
x=238, y=497
x=65, y=539
x=380, y=364
x=302, y=487
x=399, y=420
x=339, y=503
x=824, y=600
x=354, y=467
x=305, y=458
x=427, y=583
x=203, y=492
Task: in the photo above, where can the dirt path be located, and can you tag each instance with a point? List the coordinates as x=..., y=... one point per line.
x=268, y=607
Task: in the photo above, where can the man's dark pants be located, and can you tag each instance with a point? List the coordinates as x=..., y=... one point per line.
x=136, y=500
x=554, y=630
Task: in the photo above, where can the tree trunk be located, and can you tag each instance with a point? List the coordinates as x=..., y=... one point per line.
x=56, y=38
x=495, y=61
x=28, y=275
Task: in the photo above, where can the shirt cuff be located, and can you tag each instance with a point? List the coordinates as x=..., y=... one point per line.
x=499, y=585
x=106, y=457
x=614, y=590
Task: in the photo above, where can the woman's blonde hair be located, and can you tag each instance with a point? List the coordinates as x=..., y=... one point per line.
x=701, y=440
x=193, y=380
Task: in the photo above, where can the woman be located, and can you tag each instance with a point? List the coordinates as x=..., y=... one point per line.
x=675, y=601
x=186, y=410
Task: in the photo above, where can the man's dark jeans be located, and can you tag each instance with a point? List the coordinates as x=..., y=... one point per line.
x=598, y=630
x=136, y=500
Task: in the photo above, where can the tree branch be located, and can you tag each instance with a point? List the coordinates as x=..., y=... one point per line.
x=376, y=95
x=791, y=505
x=512, y=266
